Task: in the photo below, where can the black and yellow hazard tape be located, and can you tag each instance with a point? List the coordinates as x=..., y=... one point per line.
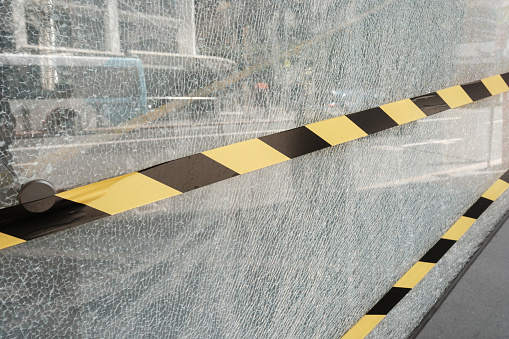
x=418, y=271
x=119, y=194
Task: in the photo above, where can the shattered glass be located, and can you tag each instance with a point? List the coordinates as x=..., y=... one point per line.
x=300, y=249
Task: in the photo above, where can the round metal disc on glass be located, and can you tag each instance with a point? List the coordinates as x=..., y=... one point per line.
x=37, y=196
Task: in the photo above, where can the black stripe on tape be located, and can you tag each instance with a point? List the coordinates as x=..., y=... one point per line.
x=505, y=177
x=372, y=120
x=476, y=90
x=430, y=103
x=189, y=173
x=389, y=300
x=505, y=76
x=438, y=251
x=20, y=223
x=295, y=142
x=478, y=208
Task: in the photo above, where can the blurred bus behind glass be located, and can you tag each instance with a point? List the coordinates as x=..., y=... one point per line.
x=67, y=94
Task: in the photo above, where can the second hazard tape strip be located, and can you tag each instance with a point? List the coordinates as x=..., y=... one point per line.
x=119, y=194
x=408, y=281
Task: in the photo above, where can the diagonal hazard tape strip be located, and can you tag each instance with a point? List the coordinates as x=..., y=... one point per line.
x=119, y=194
x=417, y=272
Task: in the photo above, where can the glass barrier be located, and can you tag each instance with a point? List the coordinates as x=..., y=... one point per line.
x=299, y=249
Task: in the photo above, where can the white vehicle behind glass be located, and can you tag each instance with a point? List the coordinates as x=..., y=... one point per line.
x=55, y=94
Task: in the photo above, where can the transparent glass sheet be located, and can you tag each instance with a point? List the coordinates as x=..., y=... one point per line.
x=300, y=249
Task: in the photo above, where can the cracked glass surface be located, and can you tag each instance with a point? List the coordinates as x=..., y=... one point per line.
x=300, y=249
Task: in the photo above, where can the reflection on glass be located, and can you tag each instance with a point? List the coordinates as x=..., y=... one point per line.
x=286, y=251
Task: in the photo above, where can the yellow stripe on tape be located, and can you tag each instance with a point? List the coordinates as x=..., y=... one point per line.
x=496, y=190
x=363, y=326
x=403, y=111
x=337, y=130
x=8, y=240
x=495, y=85
x=455, y=96
x=459, y=228
x=246, y=156
x=120, y=194
x=415, y=274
